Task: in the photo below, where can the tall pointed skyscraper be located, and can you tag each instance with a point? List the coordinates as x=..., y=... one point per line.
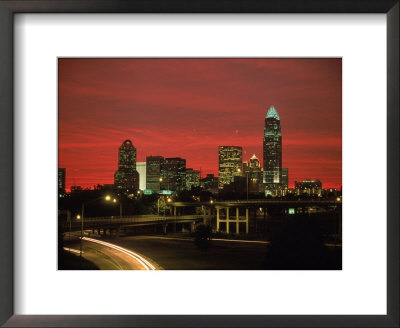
x=127, y=178
x=272, y=151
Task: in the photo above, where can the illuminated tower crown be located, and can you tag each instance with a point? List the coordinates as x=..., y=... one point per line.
x=272, y=113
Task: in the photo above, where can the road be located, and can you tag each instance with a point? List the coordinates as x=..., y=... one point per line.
x=108, y=256
x=183, y=254
x=155, y=252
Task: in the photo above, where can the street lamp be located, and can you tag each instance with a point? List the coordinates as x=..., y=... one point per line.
x=169, y=200
x=79, y=217
x=82, y=215
x=114, y=200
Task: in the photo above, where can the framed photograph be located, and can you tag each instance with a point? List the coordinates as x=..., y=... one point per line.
x=186, y=190
x=199, y=164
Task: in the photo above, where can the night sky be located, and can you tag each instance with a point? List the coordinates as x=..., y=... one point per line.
x=188, y=107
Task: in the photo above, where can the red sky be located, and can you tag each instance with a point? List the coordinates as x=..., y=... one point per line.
x=188, y=107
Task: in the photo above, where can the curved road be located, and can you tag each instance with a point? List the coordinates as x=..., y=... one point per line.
x=109, y=256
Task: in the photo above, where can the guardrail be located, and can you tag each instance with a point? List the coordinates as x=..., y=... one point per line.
x=260, y=201
x=96, y=222
x=139, y=218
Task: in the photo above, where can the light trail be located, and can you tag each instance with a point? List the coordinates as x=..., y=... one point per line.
x=72, y=250
x=146, y=264
x=217, y=239
x=235, y=240
x=243, y=241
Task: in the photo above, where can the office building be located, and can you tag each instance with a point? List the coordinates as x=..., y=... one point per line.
x=308, y=187
x=153, y=173
x=192, y=178
x=272, y=151
x=126, y=178
x=141, y=168
x=229, y=164
x=252, y=172
x=209, y=183
x=173, y=174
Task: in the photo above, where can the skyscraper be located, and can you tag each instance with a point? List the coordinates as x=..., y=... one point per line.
x=229, y=164
x=153, y=172
x=126, y=178
x=252, y=171
x=173, y=174
x=141, y=168
x=272, y=151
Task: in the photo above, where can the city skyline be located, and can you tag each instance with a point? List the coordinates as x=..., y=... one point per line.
x=109, y=111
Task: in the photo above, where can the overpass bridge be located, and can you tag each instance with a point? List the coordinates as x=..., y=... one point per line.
x=238, y=211
x=228, y=213
x=111, y=223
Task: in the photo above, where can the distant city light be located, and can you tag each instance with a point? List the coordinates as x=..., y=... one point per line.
x=292, y=211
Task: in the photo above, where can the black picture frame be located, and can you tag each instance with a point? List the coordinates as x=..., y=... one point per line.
x=10, y=7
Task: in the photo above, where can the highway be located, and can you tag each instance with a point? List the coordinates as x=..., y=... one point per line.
x=175, y=252
x=108, y=256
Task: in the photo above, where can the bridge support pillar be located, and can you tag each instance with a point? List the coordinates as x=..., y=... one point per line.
x=247, y=220
x=192, y=227
x=206, y=215
x=255, y=219
x=165, y=229
x=265, y=221
x=174, y=224
x=227, y=220
x=237, y=220
x=217, y=219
